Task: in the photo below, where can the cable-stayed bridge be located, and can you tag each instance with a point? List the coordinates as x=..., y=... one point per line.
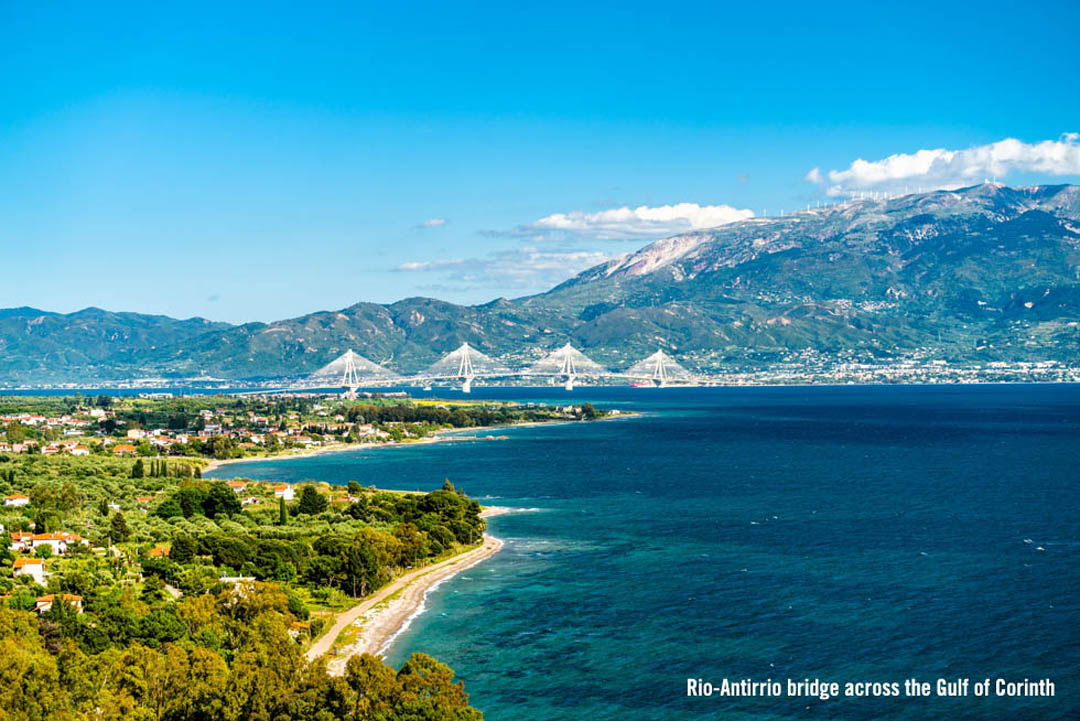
x=465, y=365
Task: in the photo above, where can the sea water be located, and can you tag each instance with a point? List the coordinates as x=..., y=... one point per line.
x=831, y=534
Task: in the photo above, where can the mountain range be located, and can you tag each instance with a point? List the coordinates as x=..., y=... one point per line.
x=986, y=273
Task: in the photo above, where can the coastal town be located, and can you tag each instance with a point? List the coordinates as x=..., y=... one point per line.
x=232, y=427
x=115, y=543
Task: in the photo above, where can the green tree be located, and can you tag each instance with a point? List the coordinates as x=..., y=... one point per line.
x=311, y=501
x=153, y=590
x=184, y=549
x=412, y=543
x=118, y=528
x=373, y=684
x=15, y=432
x=220, y=499
x=428, y=691
x=283, y=512
x=138, y=470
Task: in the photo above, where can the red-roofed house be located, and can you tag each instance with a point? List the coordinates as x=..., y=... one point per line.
x=20, y=539
x=46, y=602
x=285, y=491
x=57, y=541
x=17, y=500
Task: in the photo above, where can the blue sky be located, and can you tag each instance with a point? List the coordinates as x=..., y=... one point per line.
x=261, y=161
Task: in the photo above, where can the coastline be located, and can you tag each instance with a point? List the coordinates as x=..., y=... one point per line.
x=440, y=436
x=390, y=610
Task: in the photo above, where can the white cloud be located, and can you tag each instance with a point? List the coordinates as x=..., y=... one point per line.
x=640, y=222
x=433, y=223
x=941, y=168
x=527, y=270
x=557, y=246
x=431, y=264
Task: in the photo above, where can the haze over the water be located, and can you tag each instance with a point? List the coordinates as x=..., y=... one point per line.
x=276, y=161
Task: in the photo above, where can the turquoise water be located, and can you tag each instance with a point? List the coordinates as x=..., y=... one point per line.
x=840, y=533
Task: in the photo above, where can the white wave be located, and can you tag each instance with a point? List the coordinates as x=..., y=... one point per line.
x=423, y=606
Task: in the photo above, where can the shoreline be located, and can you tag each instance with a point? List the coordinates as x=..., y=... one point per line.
x=439, y=436
x=388, y=612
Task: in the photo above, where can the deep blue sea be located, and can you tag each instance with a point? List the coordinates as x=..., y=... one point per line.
x=839, y=533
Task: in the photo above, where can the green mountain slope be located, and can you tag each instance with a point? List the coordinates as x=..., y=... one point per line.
x=39, y=346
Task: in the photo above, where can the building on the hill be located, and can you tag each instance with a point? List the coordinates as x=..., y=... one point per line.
x=33, y=567
x=46, y=602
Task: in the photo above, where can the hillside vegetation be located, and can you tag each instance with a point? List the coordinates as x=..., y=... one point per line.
x=167, y=583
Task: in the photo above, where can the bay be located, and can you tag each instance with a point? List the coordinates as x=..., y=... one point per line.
x=872, y=533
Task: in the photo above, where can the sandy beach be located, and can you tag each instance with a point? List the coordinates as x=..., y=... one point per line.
x=381, y=617
x=441, y=435
x=334, y=448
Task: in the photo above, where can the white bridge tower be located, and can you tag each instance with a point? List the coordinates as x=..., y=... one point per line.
x=465, y=368
x=660, y=368
x=568, y=367
x=569, y=363
x=349, y=377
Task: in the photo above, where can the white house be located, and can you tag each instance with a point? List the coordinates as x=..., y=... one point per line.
x=250, y=500
x=55, y=541
x=59, y=541
x=17, y=500
x=33, y=567
x=236, y=486
x=80, y=451
x=285, y=491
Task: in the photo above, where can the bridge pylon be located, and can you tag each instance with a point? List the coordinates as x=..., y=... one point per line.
x=660, y=368
x=349, y=379
x=465, y=364
x=465, y=368
x=569, y=363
